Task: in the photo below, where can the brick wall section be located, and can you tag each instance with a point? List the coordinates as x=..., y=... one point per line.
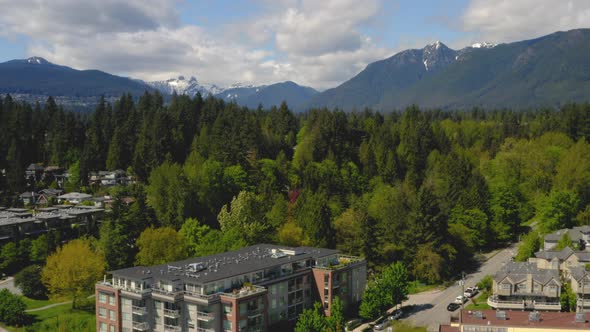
x=109, y=291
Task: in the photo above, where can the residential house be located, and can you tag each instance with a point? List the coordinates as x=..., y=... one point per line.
x=74, y=197
x=580, y=236
x=46, y=196
x=522, y=285
x=580, y=282
x=28, y=198
x=562, y=260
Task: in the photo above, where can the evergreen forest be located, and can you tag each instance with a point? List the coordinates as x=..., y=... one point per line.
x=428, y=188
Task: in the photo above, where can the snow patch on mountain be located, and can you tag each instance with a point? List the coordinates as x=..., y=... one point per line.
x=484, y=45
x=190, y=87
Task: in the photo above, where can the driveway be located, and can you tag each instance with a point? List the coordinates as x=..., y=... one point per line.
x=431, y=307
x=8, y=283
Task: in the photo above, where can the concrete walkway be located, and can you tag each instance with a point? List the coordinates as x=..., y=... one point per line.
x=48, y=306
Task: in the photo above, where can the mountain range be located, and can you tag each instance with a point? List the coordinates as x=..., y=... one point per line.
x=546, y=71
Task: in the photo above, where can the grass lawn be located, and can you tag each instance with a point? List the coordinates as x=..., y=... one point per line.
x=482, y=303
x=34, y=304
x=47, y=320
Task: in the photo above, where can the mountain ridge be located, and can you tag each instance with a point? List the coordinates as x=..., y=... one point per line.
x=519, y=74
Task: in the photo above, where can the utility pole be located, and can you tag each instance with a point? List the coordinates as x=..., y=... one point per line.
x=462, y=289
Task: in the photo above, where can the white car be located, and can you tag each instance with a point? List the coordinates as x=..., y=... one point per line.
x=470, y=292
x=460, y=299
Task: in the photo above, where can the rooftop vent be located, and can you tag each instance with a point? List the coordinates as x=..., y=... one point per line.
x=501, y=315
x=580, y=317
x=535, y=316
x=478, y=314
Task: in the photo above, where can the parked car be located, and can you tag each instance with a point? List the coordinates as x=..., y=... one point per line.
x=470, y=292
x=395, y=315
x=453, y=306
x=353, y=324
x=381, y=324
x=460, y=299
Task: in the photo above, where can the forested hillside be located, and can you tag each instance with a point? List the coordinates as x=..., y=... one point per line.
x=428, y=188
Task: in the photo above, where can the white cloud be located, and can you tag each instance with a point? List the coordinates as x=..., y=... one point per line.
x=512, y=20
x=320, y=44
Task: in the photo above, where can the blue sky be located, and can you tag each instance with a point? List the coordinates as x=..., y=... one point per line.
x=315, y=43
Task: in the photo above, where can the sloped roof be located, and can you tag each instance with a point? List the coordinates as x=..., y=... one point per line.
x=517, y=271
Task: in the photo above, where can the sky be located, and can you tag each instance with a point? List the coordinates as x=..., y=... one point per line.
x=317, y=43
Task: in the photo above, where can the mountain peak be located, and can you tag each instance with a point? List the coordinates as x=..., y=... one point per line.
x=36, y=60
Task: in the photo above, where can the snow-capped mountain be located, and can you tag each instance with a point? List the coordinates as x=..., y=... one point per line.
x=181, y=85
x=37, y=61
x=437, y=55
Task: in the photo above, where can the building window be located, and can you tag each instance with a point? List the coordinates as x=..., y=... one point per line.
x=243, y=309
x=126, y=316
x=227, y=309
x=102, y=312
x=102, y=327
x=126, y=329
x=125, y=301
x=111, y=300
x=112, y=328
x=226, y=325
x=506, y=286
x=102, y=298
x=112, y=315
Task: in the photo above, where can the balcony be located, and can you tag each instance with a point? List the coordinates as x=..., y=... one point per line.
x=586, y=303
x=549, y=306
x=171, y=313
x=206, y=316
x=171, y=328
x=137, y=310
x=501, y=304
x=140, y=326
x=246, y=291
x=200, y=298
x=254, y=312
x=169, y=296
x=295, y=288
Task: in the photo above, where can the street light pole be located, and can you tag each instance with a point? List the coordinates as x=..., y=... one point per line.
x=462, y=289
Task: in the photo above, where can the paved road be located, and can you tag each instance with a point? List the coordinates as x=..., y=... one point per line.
x=431, y=307
x=8, y=283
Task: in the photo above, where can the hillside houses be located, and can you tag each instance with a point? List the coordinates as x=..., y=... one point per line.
x=536, y=284
x=35, y=173
x=18, y=223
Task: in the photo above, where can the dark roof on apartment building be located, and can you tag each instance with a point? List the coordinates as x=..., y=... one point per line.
x=225, y=265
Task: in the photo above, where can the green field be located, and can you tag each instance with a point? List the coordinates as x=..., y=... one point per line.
x=58, y=318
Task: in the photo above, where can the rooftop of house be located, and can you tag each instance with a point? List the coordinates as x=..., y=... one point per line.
x=518, y=271
x=574, y=233
x=550, y=321
x=579, y=272
x=583, y=256
x=74, y=196
x=200, y=270
x=20, y=216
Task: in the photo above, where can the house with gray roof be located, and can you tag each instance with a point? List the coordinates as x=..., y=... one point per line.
x=580, y=281
x=522, y=285
x=580, y=235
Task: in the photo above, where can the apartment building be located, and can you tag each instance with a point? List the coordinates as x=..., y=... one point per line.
x=251, y=289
